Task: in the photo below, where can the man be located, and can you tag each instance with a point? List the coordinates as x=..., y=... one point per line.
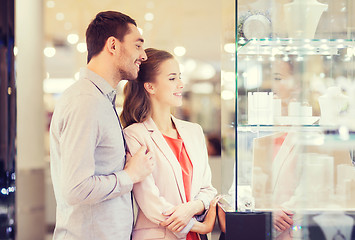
x=91, y=182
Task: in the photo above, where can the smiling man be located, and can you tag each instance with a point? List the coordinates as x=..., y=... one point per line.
x=91, y=178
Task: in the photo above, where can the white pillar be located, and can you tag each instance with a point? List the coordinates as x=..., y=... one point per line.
x=30, y=119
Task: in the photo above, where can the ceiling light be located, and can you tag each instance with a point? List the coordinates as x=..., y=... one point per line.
x=286, y=58
x=56, y=85
x=202, y=88
x=60, y=16
x=81, y=47
x=190, y=65
x=229, y=47
x=179, y=51
x=49, y=51
x=50, y=4
x=73, y=38
x=200, y=70
x=227, y=95
x=15, y=51
x=149, y=16
x=228, y=77
x=206, y=71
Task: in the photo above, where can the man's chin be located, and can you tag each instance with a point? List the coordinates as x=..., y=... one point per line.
x=131, y=77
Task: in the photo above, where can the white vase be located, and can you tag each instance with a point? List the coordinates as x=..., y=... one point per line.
x=302, y=17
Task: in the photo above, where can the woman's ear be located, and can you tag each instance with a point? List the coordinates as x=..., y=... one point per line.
x=149, y=87
x=112, y=45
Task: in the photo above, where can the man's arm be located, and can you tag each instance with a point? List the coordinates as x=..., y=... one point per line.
x=80, y=135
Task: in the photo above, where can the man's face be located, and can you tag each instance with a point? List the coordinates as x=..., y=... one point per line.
x=131, y=54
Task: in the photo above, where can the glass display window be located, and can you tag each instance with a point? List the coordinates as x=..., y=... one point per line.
x=294, y=117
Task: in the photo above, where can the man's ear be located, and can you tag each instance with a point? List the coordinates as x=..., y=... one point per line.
x=149, y=87
x=112, y=45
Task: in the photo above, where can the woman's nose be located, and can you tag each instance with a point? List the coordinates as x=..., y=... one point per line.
x=181, y=83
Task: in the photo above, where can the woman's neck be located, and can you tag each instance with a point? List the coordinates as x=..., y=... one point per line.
x=162, y=119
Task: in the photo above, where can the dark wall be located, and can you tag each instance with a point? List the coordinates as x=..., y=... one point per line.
x=7, y=120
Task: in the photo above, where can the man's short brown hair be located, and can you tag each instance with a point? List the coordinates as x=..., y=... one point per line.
x=105, y=25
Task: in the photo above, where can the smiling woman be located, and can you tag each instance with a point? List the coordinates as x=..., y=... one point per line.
x=179, y=190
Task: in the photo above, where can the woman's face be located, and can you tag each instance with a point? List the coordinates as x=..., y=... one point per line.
x=283, y=84
x=168, y=85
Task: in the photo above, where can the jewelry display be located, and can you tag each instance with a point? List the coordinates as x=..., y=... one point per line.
x=254, y=24
x=331, y=104
x=294, y=117
x=304, y=27
x=265, y=108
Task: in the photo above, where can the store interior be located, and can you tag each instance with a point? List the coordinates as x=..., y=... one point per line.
x=50, y=49
x=277, y=116
x=291, y=87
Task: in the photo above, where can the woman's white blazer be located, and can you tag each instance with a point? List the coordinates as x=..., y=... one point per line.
x=164, y=188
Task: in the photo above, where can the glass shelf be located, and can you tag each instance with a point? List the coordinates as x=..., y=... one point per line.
x=255, y=128
x=297, y=47
x=308, y=135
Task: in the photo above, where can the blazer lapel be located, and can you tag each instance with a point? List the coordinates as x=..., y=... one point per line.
x=168, y=153
x=191, y=148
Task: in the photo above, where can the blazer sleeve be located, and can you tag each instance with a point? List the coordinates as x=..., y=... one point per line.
x=147, y=193
x=207, y=191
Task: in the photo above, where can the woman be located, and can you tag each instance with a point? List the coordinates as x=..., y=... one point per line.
x=179, y=190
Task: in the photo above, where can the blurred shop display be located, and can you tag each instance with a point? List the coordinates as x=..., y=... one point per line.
x=7, y=121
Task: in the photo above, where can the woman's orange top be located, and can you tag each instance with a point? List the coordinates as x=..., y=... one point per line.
x=178, y=148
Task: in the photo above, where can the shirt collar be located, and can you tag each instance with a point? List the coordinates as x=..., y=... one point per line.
x=99, y=81
x=112, y=96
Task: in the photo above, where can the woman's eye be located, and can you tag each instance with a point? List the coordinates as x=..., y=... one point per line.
x=171, y=79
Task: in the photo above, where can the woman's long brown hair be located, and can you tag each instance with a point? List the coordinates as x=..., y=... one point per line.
x=136, y=105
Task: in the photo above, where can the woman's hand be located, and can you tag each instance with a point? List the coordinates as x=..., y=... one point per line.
x=282, y=220
x=207, y=225
x=179, y=216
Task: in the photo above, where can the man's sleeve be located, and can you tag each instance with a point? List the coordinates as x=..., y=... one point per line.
x=79, y=138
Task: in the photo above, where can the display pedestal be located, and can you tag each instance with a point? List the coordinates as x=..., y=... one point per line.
x=305, y=26
x=246, y=226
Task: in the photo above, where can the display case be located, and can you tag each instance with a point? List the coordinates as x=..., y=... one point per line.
x=294, y=119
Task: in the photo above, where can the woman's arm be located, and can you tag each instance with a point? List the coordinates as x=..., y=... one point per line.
x=207, y=225
x=148, y=196
x=221, y=219
x=179, y=216
x=182, y=213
